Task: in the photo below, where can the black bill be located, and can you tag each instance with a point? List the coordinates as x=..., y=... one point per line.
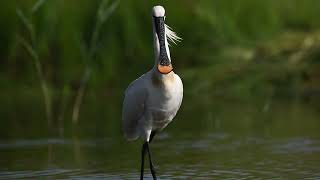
x=160, y=30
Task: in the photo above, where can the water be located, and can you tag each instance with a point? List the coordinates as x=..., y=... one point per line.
x=273, y=139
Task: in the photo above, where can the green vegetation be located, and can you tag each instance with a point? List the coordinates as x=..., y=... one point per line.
x=65, y=51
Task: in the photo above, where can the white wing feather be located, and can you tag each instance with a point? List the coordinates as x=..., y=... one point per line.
x=133, y=108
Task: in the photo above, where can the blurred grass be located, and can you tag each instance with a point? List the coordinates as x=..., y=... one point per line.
x=237, y=48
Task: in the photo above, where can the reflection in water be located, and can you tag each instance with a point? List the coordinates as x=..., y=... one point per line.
x=215, y=155
x=207, y=140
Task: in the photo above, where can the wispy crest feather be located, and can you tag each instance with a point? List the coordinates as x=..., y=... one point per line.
x=171, y=35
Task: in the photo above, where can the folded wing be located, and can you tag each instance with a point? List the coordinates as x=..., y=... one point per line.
x=133, y=108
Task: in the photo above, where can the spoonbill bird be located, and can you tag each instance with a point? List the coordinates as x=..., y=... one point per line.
x=152, y=100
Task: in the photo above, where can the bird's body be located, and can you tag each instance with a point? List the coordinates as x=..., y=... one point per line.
x=152, y=101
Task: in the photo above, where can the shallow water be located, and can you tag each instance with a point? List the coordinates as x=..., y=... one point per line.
x=206, y=141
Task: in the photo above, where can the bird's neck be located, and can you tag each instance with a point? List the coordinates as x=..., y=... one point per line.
x=160, y=80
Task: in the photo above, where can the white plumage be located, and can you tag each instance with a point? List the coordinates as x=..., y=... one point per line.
x=158, y=11
x=171, y=35
x=150, y=104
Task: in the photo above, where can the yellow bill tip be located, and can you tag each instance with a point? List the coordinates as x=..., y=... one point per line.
x=165, y=69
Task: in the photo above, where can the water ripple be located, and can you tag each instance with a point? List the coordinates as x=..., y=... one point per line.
x=46, y=142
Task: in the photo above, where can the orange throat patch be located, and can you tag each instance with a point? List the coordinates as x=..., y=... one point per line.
x=165, y=69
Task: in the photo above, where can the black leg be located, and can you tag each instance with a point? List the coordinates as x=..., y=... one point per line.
x=143, y=153
x=153, y=133
x=153, y=172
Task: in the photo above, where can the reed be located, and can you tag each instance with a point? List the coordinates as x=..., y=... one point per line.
x=89, y=51
x=31, y=46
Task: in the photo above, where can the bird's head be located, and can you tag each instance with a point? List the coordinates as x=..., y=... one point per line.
x=158, y=11
x=162, y=33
